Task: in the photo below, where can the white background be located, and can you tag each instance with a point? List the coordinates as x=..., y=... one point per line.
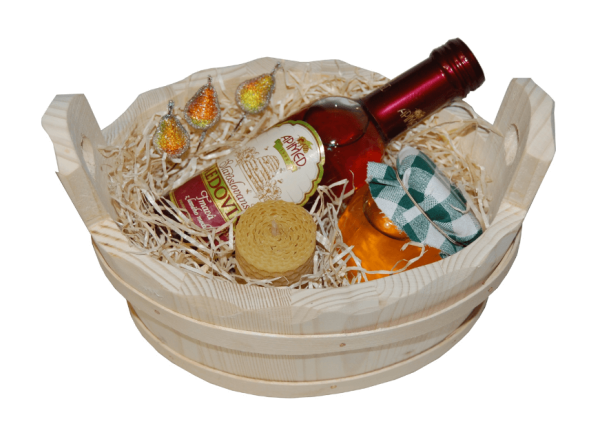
x=73, y=363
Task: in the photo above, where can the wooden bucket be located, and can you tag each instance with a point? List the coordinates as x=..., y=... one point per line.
x=291, y=343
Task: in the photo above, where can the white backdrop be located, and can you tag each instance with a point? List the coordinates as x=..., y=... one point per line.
x=73, y=363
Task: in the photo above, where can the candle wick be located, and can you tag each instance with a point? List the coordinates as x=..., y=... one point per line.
x=274, y=230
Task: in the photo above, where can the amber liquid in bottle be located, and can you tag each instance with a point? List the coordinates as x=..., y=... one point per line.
x=376, y=239
x=359, y=135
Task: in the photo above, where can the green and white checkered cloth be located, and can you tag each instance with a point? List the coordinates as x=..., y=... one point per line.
x=443, y=203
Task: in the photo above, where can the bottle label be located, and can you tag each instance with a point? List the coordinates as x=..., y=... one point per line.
x=283, y=163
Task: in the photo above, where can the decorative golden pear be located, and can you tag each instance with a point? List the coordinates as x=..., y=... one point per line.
x=253, y=96
x=202, y=111
x=170, y=136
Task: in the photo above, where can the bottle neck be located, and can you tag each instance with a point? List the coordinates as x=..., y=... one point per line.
x=451, y=71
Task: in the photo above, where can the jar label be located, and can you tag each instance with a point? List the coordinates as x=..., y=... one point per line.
x=283, y=163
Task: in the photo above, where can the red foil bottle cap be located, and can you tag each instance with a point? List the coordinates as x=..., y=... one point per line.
x=451, y=71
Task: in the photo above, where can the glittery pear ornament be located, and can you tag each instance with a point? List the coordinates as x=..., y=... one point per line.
x=170, y=136
x=202, y=111
x=254, y=95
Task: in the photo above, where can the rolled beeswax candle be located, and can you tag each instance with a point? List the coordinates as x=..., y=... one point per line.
x=275, y=239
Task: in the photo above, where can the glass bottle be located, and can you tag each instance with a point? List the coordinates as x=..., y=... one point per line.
x=355, y=132
x=349, y=134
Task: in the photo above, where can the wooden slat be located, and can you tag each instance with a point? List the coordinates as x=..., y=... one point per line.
x=315, y=388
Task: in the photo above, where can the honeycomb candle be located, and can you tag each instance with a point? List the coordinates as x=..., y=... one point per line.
x=275, y=239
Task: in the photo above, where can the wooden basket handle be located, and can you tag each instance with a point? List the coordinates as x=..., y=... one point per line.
x=77, y=139
x=526, y=119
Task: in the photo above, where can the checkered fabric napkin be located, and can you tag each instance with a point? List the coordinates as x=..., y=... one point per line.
x=442, y=202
